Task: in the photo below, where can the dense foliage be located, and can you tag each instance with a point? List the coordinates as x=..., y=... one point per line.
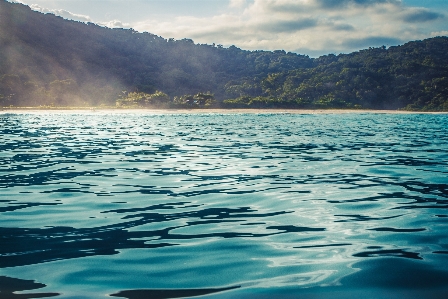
x=413, y=76
x=46, y=60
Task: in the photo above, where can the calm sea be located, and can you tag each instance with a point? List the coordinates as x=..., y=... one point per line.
x=269, y=205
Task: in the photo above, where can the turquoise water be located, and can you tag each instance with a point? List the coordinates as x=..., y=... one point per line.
x=135, y=205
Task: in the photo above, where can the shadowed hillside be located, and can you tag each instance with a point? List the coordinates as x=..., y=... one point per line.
x=46, y=60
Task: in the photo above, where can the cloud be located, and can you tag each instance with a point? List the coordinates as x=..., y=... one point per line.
x=332, y=4
x=439, y=33
x=343, y=27
x=237, y=3
x=63, y=13
x=319, y=6
x=115, y=24
x=420, y=15
x=78, y=17
x=284, y=26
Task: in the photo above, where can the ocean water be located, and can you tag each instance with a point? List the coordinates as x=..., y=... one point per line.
x=232, y=205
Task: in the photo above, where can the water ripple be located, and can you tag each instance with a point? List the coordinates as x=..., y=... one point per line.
x=223, y=205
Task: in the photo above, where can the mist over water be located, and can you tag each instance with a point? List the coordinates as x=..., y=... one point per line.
x=136, y=205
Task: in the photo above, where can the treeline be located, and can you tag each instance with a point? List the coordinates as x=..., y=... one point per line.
x=413, y=77
x=162, y=100
x=48, y=61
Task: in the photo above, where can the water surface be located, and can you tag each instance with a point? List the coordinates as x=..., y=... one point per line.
x=135, y=205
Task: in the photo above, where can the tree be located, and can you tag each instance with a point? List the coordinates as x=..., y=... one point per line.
x=140, y=99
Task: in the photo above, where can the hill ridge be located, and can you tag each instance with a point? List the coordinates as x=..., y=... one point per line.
x=47, y=60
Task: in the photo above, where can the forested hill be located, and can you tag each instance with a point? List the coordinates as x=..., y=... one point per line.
x=44, y=50
x=46, y=60
x=413, y=76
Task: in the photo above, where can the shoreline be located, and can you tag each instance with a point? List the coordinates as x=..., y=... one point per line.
x=24, y=110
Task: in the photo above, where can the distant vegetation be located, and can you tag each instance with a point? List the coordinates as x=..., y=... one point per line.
x=48, y=61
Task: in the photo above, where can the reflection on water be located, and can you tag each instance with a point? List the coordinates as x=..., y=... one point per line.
x=223, y=205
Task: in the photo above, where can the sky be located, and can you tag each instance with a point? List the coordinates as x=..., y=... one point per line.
x=310, y=27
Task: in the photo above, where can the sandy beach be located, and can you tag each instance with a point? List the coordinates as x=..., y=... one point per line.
x=69, y=110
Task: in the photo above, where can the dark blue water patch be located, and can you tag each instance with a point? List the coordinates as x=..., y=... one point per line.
x=390, y=273
x=145, y=190
x=292, y=228
x=405, y=161
x=398, y=230
x=425, y=207
x=48, y=177
x=14, y=205
x=28, y=246
x=166, y=294
x=383, y=277
x=389, y=252
x=375, y=198
x=71, y=190
x=324, y=245
x=364, y=218
x=244, y=213
x=162, y=206
x=10, y=286
x=334, y=293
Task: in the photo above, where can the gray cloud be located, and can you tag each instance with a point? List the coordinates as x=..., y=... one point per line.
x=289, y=25
x=343, y=27
x=318, y=6
x=421, y=15
x=332, y=4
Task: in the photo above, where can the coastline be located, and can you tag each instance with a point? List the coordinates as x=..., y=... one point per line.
x=37, y=110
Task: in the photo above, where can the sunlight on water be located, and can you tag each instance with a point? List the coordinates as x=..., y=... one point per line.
x=223, y=205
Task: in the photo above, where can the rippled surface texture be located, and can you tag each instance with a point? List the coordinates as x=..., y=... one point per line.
x=267, y=205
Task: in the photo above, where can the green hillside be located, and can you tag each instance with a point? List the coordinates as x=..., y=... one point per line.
x=413, y=76
x=46, y=60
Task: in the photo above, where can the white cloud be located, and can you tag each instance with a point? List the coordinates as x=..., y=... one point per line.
x=308, y=26
x=115, y=24
x=63, y=13
x=439, y=33
x=237, y=3
x=78, y=17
